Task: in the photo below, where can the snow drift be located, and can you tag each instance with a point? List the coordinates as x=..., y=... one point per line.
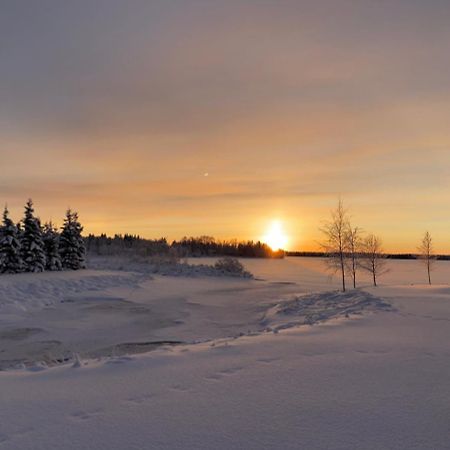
x=309, y=309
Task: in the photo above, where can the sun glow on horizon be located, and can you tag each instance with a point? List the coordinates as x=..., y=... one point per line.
x=275, y=236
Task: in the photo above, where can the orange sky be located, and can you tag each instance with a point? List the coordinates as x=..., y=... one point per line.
x=120, y=110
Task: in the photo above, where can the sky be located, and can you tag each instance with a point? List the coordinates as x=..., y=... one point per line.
x=173, y=118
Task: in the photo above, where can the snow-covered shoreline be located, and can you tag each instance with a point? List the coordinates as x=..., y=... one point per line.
x=165, y=266
x=53, y=318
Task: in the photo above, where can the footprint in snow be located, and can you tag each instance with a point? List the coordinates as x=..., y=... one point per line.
x=268, y=360
x=86, y=415
x=140, y=400
x=223, y=373
x=214, y=377
x=179, y=388
x=231, y=370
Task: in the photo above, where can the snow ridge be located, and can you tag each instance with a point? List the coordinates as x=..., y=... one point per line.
x=313, y=308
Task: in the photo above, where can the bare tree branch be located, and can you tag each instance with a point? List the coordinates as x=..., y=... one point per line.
x=354, y=249
x=335, y=242
x=373, y=260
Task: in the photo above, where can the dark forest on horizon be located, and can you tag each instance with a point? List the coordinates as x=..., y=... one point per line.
x=183, y=248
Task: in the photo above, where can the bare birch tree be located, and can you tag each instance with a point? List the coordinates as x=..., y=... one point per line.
x=354, y=248
x=373, y=260
x=335, y=243
x=426, y=251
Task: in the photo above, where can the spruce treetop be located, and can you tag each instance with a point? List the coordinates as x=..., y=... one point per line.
x=33, y=251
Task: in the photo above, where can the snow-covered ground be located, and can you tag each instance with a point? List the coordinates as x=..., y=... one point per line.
x=251, y=372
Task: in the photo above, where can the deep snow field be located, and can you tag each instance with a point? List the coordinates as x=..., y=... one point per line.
x=107, y=359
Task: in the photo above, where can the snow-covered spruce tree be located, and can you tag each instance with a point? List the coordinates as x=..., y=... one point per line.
x=71, y=243
x=51, y=244
x=81, y=242
x=10, y=255
x=33, y=251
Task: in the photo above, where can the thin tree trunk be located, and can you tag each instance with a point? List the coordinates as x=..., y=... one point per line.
x=354, y=271
x=429, y=272
x=343, y=272
x=374, y=272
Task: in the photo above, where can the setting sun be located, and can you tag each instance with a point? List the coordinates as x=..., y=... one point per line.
x=275, y=236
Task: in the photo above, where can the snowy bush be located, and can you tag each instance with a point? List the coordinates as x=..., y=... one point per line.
x=167, y=265
x=230, y=266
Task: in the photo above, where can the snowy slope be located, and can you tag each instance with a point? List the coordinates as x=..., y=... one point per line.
x=35, y=291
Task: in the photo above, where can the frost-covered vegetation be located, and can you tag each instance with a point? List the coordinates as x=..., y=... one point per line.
x=231, y=266
x=31, y=247
x=167, y=265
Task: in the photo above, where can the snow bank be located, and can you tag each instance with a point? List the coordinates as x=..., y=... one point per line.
x=30, y=291
x=165, y=266
x=318, y=307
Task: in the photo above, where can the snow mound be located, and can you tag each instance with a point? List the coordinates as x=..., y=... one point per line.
x=34, y=291
x=309, y=309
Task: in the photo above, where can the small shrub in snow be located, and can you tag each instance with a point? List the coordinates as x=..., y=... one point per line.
x=163, y=260
x=230, y=266
x=168, y=265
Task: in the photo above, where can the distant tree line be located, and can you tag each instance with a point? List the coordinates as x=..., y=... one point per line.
x=127, y=243
x=405, y=256
x=29, y=246
x=185, y=247
x=209, y=246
